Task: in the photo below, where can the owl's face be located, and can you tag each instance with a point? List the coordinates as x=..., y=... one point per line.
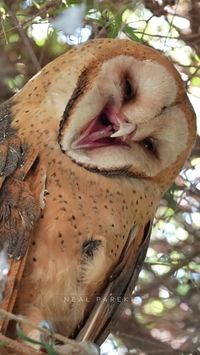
x=120, y=108
x=133, y=118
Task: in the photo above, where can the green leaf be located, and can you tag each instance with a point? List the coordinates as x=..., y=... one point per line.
x=3, y=344
x=154, y=307
x=183, y=289
x=129, y=31
x=169, y=196
x=23, y=336
x=196, y=81
x=110, y=23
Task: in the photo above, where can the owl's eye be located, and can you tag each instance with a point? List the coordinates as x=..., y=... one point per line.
x=128, y=91
x=149, y=144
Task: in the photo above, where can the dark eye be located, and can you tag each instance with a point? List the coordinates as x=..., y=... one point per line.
x=128, y=91
x=149, y=144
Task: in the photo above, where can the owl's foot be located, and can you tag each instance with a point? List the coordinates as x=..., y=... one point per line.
x=84, y=348
x=46, y=338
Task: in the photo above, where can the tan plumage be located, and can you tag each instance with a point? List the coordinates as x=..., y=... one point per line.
x=90, y=198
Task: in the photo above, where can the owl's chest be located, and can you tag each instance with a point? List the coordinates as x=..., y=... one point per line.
x=80, y=207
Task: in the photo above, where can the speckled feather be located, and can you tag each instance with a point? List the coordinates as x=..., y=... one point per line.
x=86, y=212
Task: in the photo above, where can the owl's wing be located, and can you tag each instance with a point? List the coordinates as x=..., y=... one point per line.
x=121, y=284
x=21, y=188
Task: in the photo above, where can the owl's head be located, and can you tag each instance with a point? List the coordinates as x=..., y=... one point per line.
x=121, y=108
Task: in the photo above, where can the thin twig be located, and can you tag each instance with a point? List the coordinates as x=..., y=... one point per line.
x=4, y=32
x=155, y=35
x=193, y=75
x=25, y=39
x=170, y=24
x=145, y=27
x=160, y=280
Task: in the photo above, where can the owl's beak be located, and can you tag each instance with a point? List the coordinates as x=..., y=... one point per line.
x=124, y=130
x=110, y=127
x=120, y=122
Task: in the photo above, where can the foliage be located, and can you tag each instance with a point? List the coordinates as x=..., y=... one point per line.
x=164, y=312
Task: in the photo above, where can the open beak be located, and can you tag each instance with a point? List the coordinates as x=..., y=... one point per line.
x=110, y=127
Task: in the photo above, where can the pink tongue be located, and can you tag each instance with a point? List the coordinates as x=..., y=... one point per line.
x=89, y=137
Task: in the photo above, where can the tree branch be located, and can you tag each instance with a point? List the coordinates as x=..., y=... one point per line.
x=24, y=38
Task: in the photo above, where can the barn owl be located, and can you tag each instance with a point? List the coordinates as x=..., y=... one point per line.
x=88, y=147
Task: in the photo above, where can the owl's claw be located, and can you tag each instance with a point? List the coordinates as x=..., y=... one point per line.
x=83, y=348
x=45, y=338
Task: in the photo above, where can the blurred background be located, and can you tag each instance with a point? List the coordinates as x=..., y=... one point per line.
x=163, y=316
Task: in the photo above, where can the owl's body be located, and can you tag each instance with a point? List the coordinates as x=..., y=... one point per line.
x=93, y=193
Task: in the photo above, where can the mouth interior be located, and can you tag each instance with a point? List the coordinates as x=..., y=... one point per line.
x=110, y=127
